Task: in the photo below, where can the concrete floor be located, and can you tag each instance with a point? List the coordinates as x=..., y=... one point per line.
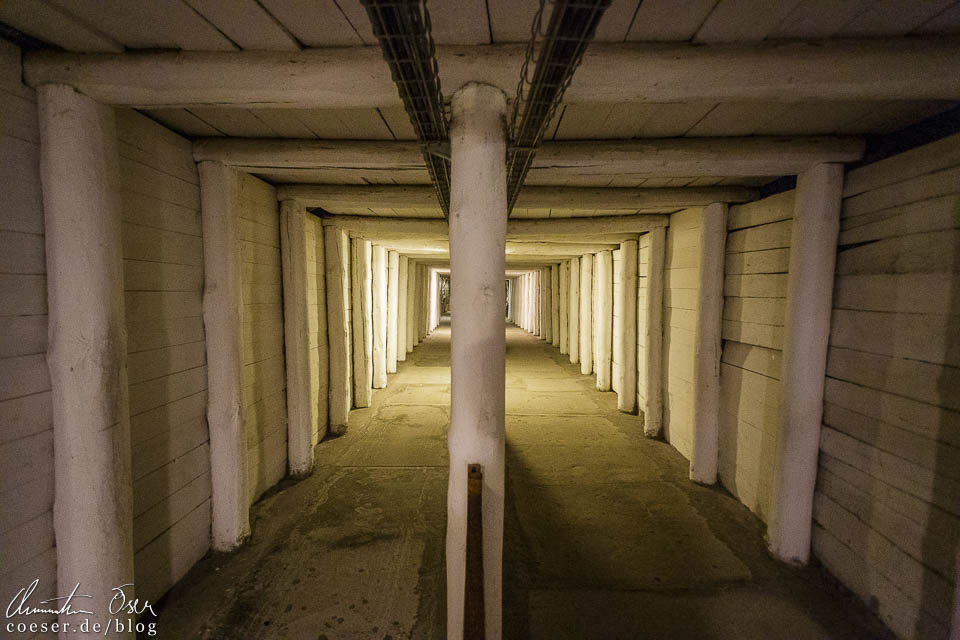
x=605, y=536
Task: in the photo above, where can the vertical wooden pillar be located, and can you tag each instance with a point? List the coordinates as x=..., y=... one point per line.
x=586, y=314
x=627, y=385
x=362, y=312
x=573, y=319
x=563, y=286
x=379, y=317
x=402, y=265
x=411, y=340
x=337, y=249
x=555, y=304
x=604, y=319
x=296, y=337
x=706, y=366
x=546, y=323
x=478, y=225
x=653, y=335
x=816, y=224
x=87, y=351
x=393, y=308
x=223, y=329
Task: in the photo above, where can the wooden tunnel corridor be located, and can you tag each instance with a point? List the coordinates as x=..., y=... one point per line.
x=604, y=535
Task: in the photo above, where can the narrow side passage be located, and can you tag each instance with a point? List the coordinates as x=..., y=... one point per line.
x=605, y=535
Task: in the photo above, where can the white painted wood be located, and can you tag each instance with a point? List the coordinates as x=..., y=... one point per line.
x=627, y=386
x=410, y=294
x=546, y=304
x=293, y=250
x=604, y=319
x=586, y=314
x=393, y=307
x=380, y=279
x=223, y=321
x=362, y=311
x=573, y=311
x=478, y=218
x=86, y=356
x=51, y=24
x=348, y=198
x=563, y=311
x=402, y=268
x=659, y=157
x=706, y=374
x=336, y=247
x=872, y=69
x=555, y=305
x=816, y=223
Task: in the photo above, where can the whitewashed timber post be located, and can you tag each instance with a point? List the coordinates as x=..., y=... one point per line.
x=337, y=256
x=379, y=317
x=87, y=351
x=586, y=314
x=653, y=335
x=362, y=296
x=627, y=385
x=816, y=225
x=296, y=338
x=573, y=322
x=564, y=309
x=604, y=319
x=555, y=305
x=410, y=294
x=478, y=225
x=223, y=329
x=706, y=365
x=402, y=267
x=546, y=305
x=393, y=306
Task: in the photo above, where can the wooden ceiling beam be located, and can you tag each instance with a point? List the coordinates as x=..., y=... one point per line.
x=336, y=198
x=905, y=68
x=654, y=158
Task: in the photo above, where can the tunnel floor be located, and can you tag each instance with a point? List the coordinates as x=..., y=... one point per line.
x=604, y=535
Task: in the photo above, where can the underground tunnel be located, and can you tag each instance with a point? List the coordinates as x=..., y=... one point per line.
x=481, y=319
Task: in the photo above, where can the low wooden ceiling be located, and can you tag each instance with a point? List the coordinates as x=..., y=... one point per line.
x=292, y=25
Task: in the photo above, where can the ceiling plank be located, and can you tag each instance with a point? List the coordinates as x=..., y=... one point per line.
x=355, y=77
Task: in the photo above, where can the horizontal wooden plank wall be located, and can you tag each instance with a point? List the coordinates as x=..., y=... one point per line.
x=264, y=376
x=166, y=356
x=26, y=420
x=887, y=509
x=755, y=287
x=681, y=284
x=643, y=262
x=317, y=319
x=617, y=350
